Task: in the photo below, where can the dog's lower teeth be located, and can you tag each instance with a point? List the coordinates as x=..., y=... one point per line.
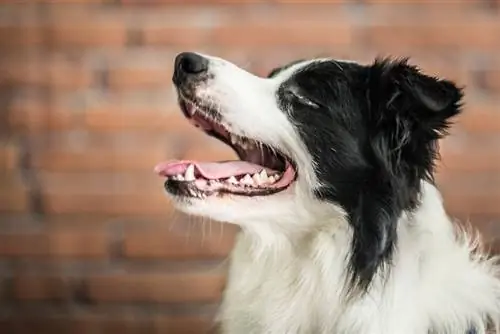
x=247, y=180
x=232, y=180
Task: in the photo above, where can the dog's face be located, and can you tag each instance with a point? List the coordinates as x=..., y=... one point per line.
x=314, y=138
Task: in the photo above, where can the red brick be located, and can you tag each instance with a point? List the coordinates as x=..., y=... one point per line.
x=412, y=36
x=71, y=1
x=108, y=324
x=422, y=10
x=42, y=287
x=108, y=118
x=65, y=33
x=154, y=203
x=186, y=37
x=126, y=183
x=190, y=2
x=20, y=36
x=183, y=325
x=293, y=33
x=469, y=183
x=54, y=244
x=165, y=244
x=468, y=204
x=169, y=288
x=14, y=201
x=14, y=194
x=87, y=34
x=124, y=79
x=105, y=153
x=99, y=160
x=35, y=115
x=470, y=157
x=492, y=80
x=480, y=118
x=158, y=325
x=467, y=193
x=50, y=73
x=9, y=155
x=430, y=3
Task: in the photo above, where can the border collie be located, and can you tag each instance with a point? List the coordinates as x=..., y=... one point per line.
x=342, y=228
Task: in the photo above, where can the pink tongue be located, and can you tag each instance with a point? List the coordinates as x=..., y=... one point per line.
x=210, y=170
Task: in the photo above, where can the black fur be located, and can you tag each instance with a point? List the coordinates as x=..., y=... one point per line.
x=373, y=131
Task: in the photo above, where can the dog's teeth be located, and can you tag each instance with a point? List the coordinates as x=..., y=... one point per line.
x=233, y=138
x=232, y=180
x=180, y=177
x=271, y=179
x=247, y=179
x=189, y=176
x=256, y=179
x=174, y=177
x=263, y=175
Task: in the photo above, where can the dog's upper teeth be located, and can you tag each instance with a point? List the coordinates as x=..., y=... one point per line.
x=256, y=179
x=247, y=179
x=272, y=179
x=189, y=175
x=263, y=175
x=232, y=180
x=180, y=177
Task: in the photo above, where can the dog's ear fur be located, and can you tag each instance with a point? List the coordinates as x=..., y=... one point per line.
x=408, y=113
x=277, y=70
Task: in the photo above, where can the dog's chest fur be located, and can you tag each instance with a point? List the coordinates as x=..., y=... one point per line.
x=294, y=291
x=280, y=290
x=435, y=285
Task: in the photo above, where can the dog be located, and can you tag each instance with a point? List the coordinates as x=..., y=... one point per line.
x=342, y=229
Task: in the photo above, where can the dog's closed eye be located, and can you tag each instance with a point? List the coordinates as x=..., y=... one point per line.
x=294, y=95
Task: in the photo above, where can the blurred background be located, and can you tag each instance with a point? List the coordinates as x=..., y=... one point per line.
x=88, y=241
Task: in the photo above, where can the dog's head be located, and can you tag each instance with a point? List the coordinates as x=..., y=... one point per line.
x=315, y=138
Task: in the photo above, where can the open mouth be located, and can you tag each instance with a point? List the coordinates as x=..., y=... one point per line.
x=261, y=170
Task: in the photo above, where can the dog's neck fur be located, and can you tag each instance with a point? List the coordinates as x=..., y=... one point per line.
x=296, y=283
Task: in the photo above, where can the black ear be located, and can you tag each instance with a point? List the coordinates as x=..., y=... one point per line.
x=399, y=92
x=407, y=113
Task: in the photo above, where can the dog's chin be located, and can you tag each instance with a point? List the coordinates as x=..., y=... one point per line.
x=238, y=209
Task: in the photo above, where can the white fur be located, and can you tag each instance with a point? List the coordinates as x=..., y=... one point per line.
x=287, y=272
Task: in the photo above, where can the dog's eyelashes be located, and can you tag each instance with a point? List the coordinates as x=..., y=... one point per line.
x=306, y=101
x=294, y=95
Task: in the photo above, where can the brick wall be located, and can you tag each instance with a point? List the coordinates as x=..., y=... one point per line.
x=88, y=242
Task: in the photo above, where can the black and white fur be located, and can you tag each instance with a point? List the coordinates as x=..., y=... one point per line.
x=360, y=243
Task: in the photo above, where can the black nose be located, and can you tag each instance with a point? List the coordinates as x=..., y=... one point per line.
x=188, y=63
